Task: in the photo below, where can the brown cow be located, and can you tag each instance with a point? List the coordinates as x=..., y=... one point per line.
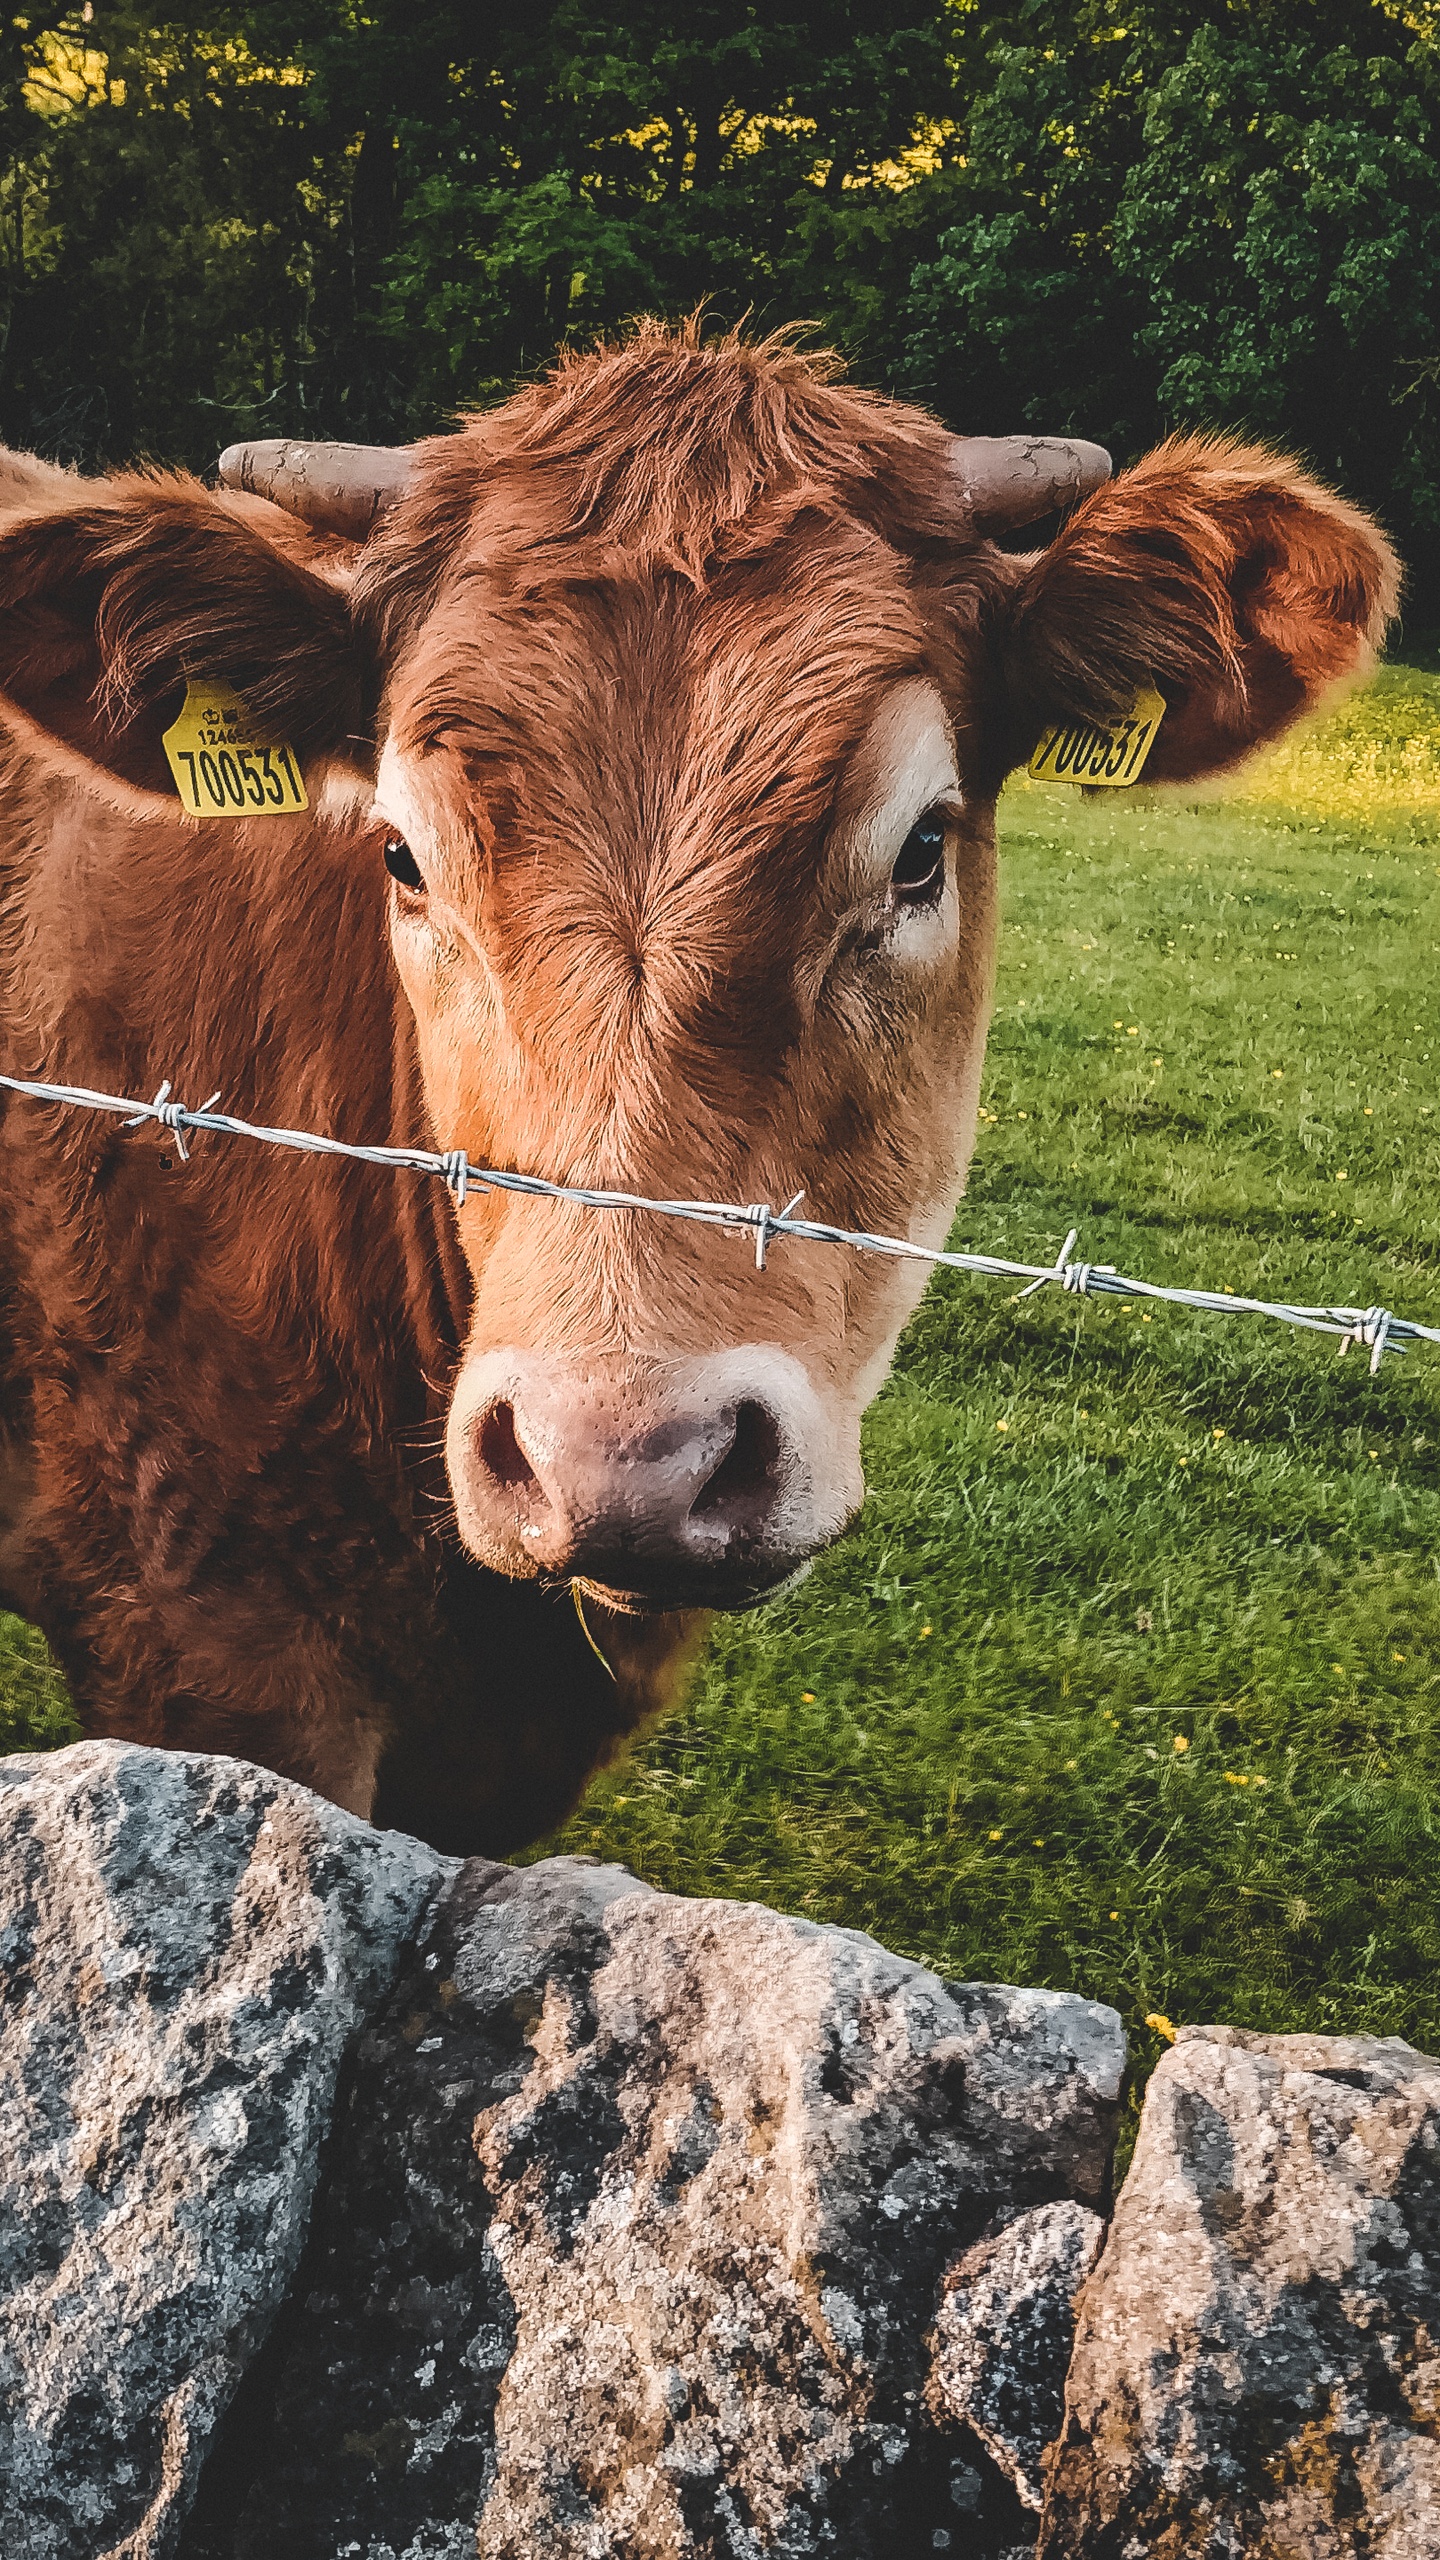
x=675, y=695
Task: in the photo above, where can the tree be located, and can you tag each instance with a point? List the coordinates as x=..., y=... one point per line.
x=1230, y=222
x=355, y=216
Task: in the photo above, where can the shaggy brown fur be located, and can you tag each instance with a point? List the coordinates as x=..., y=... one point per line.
x=627, y=636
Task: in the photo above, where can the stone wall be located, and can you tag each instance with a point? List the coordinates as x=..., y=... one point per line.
x=361, y=2205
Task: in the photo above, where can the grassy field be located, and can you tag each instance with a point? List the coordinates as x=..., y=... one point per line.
x=1127, y=1681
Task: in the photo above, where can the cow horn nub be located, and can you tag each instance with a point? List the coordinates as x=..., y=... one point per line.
x=1012, y=480
x=1002, y=481
x=337, y=488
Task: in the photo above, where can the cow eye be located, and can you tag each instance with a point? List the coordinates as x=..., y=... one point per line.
x=401, y=864
x=919, y=873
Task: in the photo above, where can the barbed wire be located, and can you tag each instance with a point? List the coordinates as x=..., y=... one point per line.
x=1375, y=1329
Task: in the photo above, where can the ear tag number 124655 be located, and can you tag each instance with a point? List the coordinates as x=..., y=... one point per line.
x=1109, y=758
x=226, y=764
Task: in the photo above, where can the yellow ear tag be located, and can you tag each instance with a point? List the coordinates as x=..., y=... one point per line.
x=226, y=763
x=1094, y=756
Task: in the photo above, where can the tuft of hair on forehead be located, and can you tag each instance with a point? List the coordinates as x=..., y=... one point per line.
x=667, y=444
x=668, y=450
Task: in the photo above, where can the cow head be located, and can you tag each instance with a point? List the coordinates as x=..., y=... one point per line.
x=676, y=696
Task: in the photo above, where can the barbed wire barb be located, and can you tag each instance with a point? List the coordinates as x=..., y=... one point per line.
x=169, y=1115
x=1062, y=1271
x=766, y=1225
x=1372, y=1331
x=1377, y=1329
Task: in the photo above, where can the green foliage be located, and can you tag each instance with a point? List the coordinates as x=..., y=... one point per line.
x=157, y=247
x=343, y=218
x=1229, y=219
x=642, y=160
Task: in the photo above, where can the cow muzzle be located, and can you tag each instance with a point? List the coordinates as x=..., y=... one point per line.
x=699, y=1483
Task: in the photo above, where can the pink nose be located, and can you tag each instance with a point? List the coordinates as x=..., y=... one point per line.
x=695, y=1487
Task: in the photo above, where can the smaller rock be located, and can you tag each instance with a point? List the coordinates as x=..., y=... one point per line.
x=1004, y=2332
x=186, y=1946
x=1256, y=2365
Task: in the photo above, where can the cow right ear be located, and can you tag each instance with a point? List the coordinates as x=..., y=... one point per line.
x=1217, y=573
x=111, y=605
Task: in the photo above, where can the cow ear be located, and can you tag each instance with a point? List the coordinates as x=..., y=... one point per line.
x=1219, y=574
x=113, y=602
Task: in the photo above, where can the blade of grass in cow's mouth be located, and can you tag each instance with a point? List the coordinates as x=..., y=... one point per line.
x=663, y=1600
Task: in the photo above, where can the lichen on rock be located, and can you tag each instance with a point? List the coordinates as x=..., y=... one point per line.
x=1004, y=2333
x=186, y=1946
x=634, y=2234
x=1257, y=2360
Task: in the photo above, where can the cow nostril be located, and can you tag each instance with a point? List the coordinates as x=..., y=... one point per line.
x=500, y=1450
x=747, y=1475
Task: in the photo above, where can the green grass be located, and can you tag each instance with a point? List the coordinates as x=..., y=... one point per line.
x=34, y=1710
x=1127, y=1681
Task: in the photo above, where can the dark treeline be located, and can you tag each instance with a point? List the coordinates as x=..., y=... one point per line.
x=324, y=217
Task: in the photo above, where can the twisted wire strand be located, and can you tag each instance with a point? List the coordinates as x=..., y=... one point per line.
x=1375, y=1329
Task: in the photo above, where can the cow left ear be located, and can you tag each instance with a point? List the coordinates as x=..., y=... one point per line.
x=112, y=603
x=1222, y=575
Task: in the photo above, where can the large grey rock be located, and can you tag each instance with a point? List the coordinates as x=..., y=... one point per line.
x=1257, y=2362
x=633, y=2238
x=1004, y=2332
x=185, y=1946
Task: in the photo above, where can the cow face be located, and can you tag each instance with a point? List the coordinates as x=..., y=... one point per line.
x=695, y=900
x=675, y=697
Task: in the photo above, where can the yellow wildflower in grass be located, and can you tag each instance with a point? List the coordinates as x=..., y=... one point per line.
x=1002, y=1426
x=997, y=1835
x=1161, y=2025
x=1379, y=751
x=1181, y=1742
x=807, y=1697
x=1231, y=1780
x=926, y=1631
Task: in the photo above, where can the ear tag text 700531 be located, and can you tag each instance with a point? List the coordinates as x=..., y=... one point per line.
x=226, y=763
x=1108, y=757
